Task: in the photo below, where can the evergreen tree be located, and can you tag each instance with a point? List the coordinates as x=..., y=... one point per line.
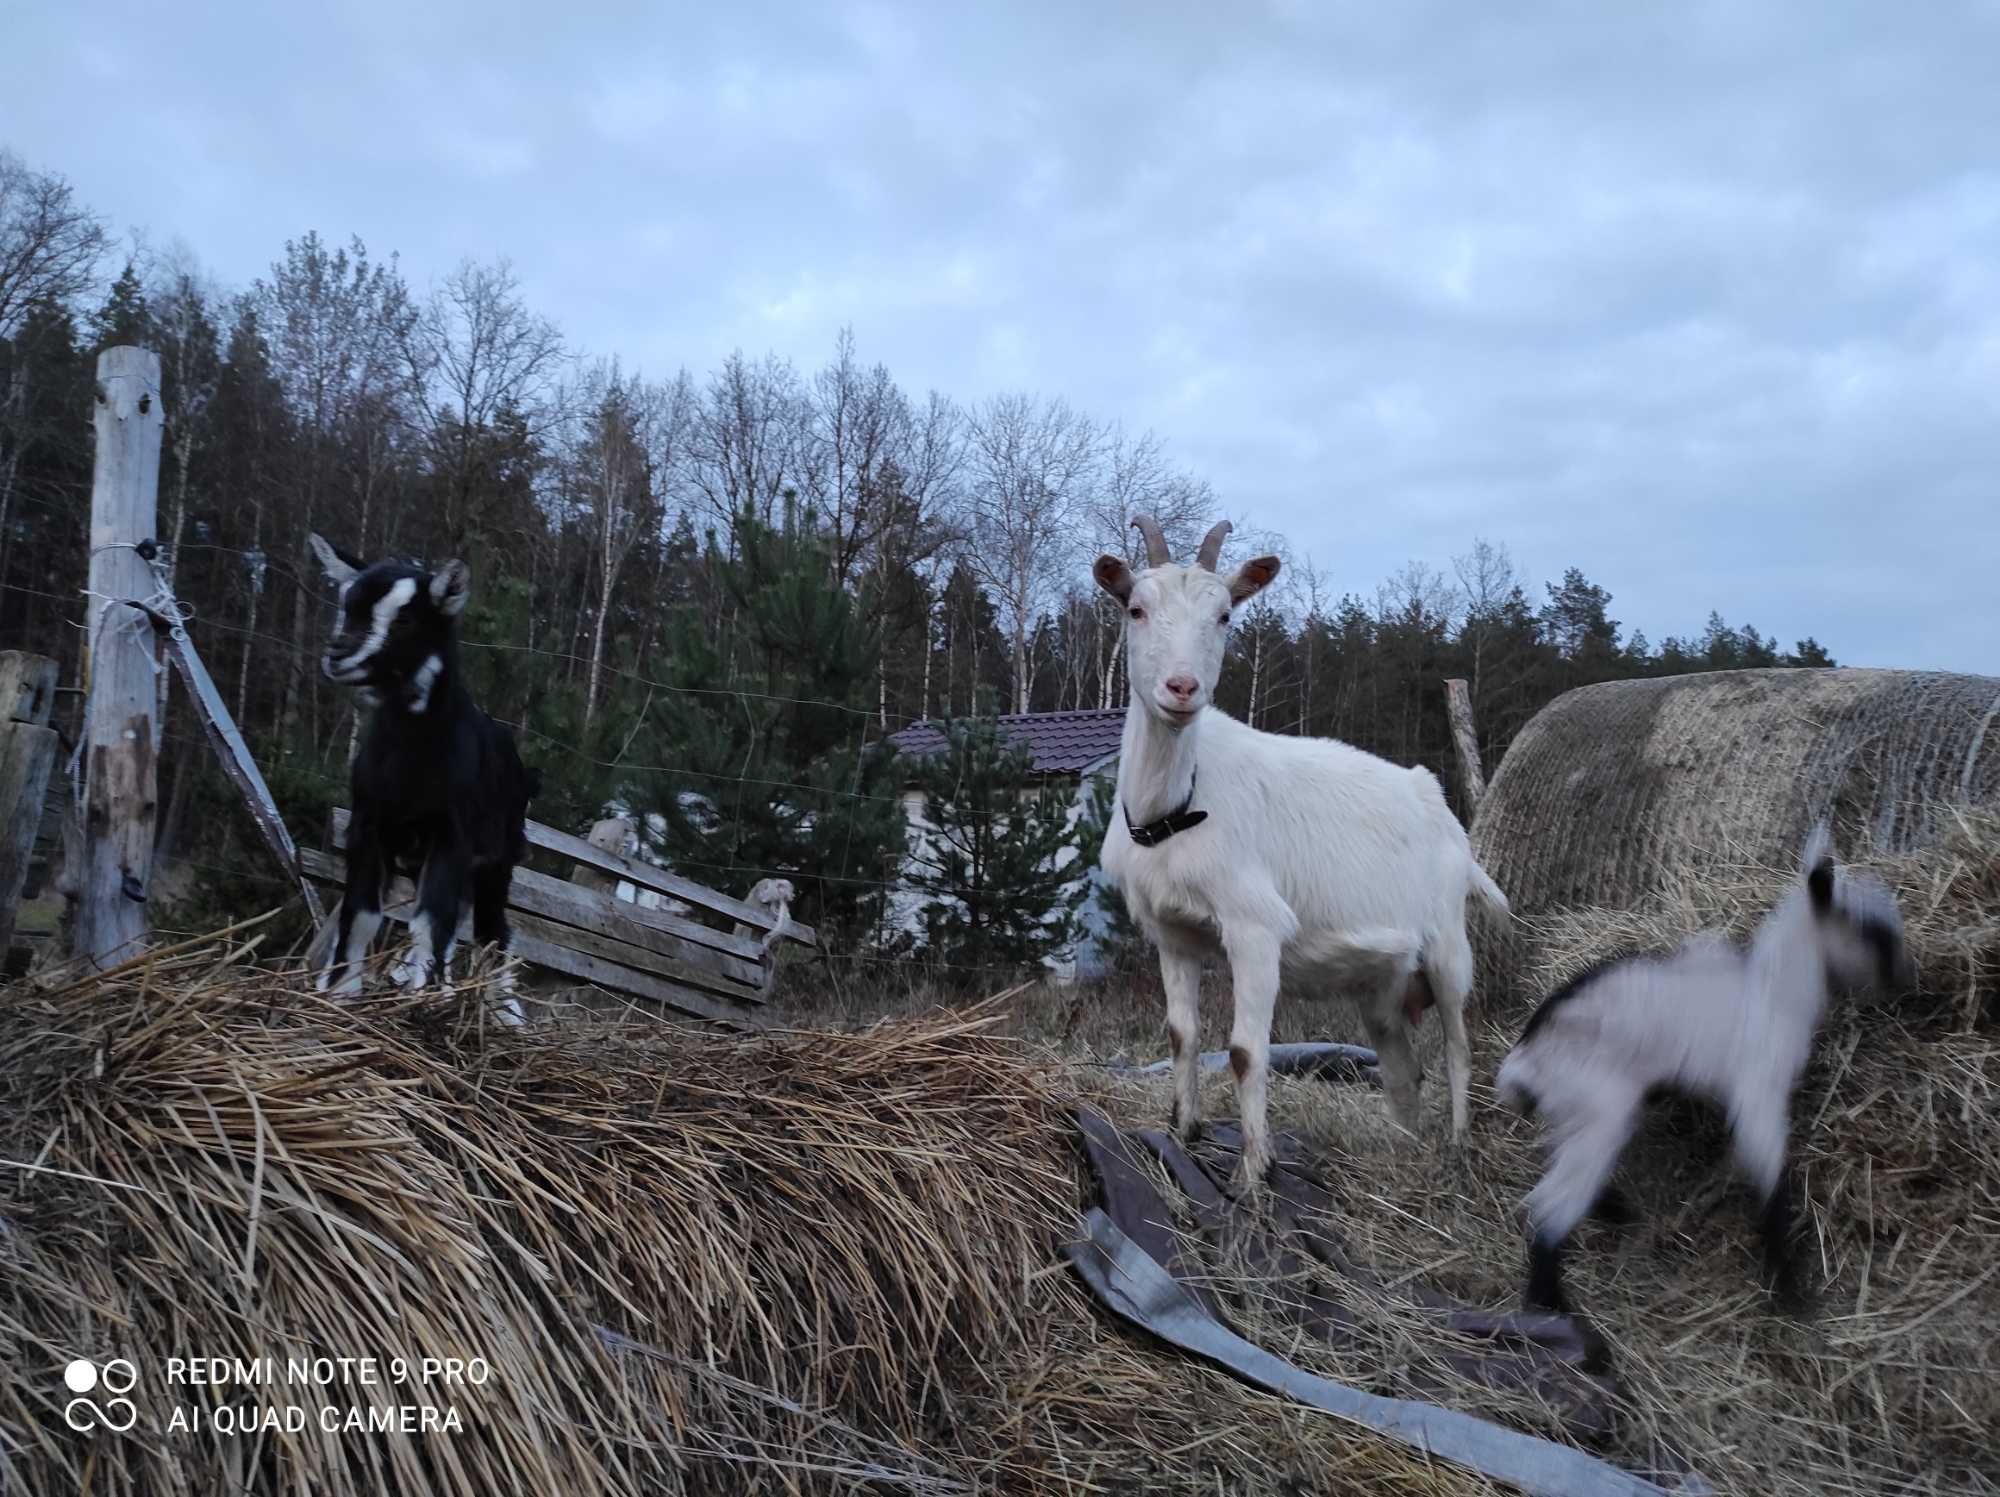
x=995, y=895
x=1121, y=944
x=1576, y=622
x=765, y=764
x=122, y=318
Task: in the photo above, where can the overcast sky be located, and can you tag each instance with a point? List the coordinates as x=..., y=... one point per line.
x=1704, y=299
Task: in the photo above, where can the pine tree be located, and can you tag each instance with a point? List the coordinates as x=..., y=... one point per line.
x=123, y=317
x=996, y=896
x=1121, y=945
x=766, y=761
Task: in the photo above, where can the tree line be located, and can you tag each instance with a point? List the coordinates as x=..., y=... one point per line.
x=710, y=596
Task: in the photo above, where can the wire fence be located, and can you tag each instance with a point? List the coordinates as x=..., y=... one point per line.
x=334, y=782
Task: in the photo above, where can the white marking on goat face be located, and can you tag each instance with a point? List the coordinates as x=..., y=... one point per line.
x=1176, y=625
x=382, y=618
x=422, y=682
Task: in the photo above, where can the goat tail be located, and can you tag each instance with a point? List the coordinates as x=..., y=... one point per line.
x=1482, y=884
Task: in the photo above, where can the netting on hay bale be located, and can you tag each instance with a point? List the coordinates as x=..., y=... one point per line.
x=1627, y=794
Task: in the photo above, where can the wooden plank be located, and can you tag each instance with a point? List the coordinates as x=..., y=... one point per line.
x=641, y=875
x=572, y=904
x=237, y=762
x=27, y=754
x=554, y=908
x=121, y=772
x=587, y=968
x=726, y=942
x=542, y=945
x=27, y=687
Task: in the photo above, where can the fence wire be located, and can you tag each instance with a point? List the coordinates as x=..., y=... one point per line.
x=335, y=784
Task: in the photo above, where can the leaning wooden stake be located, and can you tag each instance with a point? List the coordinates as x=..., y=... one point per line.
x=27, y=752
x=1458, y=703
x=120, y=771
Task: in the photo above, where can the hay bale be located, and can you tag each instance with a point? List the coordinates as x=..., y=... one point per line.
x=1616, y=794
x=691, y=1262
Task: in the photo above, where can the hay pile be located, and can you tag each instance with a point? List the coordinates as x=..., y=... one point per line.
x=1892, y=1386
x=691, y=1263
x=1625, y=818
x=1614, y=794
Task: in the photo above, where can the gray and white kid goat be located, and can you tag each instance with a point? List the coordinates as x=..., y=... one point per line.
x=1726, y=1024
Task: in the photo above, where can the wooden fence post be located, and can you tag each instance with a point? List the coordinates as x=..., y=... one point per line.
x=1458, y=704
x=120, y=770
x=27, y=752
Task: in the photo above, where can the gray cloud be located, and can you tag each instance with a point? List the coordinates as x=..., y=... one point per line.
x=1703, y=299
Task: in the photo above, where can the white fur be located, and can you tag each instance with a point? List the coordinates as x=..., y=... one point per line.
x=381, y=617
x=422, y=681
x=1733, y=1025
x=360, y=932
x=1318, y=865
x=774, y=895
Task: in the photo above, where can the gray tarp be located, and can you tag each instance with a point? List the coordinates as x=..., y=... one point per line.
x=1129, y=1255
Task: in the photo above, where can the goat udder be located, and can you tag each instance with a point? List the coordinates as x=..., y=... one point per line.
x=1417, y=996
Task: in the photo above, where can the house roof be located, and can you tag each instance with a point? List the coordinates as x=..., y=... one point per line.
x=1061, y=742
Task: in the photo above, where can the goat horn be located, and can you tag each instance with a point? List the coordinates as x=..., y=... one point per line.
x=1211, y=546
x=1157, y=554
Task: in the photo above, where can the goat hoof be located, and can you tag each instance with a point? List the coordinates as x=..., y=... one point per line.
x=1187, y=1131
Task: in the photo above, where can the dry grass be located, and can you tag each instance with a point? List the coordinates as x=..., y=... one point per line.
x=833, y=1254
x=1892, y=1385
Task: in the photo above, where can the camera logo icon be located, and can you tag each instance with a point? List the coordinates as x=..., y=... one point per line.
x=115, y=1377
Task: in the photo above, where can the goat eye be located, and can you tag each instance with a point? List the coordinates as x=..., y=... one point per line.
x=1137, y=612
x=1223, y=620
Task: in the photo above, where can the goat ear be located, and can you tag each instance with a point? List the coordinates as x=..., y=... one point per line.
x=1252, y=578
x=1113, y=576
x=451, y=585
x=340, y=568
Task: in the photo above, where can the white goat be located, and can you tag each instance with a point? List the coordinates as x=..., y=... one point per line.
x=1733, y=1026
x=773, y=895
x=1302, y=860
x=613, y=834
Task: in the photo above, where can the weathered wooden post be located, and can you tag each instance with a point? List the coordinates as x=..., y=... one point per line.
x=27, y=752
x=1458, y=704
x=120, y=769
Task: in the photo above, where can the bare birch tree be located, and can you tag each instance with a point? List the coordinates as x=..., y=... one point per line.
x=1030, y=466
x=745, y=444
x=336, y=326
x=475, y=352
x=628, y=450
x=50, y=247
x=1487, y=578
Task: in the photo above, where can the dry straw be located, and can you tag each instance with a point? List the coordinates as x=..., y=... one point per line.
x=1617, y=793
x=694, y=1262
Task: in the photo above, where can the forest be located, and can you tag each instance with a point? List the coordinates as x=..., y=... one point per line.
x=709, y=595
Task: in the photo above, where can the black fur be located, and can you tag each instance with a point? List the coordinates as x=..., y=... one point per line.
x=1562, y=995
x=1774, y=1229
x=1545, y=1291
x=1887, y=944
x=439, y=789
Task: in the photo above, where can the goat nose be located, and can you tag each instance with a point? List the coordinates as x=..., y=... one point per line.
x=1183, y=687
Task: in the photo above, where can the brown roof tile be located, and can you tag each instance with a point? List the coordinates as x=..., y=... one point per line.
x=1061, y=742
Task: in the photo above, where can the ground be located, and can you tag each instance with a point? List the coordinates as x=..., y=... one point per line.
x=1890, y=1384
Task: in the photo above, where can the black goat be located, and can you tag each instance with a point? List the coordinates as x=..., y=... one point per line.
x=439, y=790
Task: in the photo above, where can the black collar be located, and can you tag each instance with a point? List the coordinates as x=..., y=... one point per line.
x=1153, y=833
